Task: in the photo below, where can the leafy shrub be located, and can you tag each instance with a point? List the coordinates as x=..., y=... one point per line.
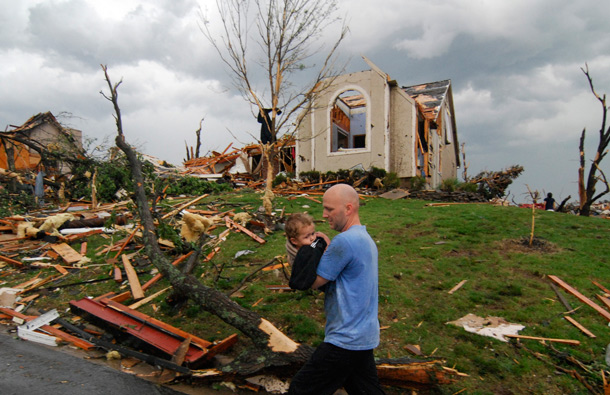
x=391, y=181
x=467, y=187
x=449, y=185
x=310, y=176
x=16, y=203
x=280, y=178
x=195, y=186
x=418, y=183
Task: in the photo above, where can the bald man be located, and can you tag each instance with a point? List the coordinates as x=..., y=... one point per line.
x=349, y=266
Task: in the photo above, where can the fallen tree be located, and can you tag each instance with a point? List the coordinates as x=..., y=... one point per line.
x=273, y=348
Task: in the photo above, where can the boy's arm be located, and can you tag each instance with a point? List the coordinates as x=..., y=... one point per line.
x=318, y=282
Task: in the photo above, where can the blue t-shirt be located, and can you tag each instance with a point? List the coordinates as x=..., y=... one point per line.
x=350, y=262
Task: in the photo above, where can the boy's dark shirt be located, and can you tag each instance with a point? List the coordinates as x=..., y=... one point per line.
x=306, y=264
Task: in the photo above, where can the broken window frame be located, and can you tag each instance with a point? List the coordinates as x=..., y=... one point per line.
x=335, y=128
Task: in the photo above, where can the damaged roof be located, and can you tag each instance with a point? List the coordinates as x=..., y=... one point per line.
x=429, y=96
x=37, y=120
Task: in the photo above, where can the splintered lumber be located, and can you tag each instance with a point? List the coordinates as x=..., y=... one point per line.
x=120, y=298
x=132, y=277
x=233, y=224
x=562, y=298
x=185, y=205
x=458, y=286
x=67, y=253
x=579, y=326
x=147, y=299
x=10, y=261
x=563, y=341
x=78, y=342
x=604, y=300
x=580, y=296
x=598, y=285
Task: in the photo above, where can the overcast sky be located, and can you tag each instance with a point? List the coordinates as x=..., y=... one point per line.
x=519, y=93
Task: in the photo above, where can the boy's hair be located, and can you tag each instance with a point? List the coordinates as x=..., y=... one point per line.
x=295, y=222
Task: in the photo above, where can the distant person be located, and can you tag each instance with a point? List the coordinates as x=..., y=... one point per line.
x=549, y=202
x=349, y=269
x=304, y=248
x=265, y=120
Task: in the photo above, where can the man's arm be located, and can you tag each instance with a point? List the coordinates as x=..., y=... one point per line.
x=319, y=282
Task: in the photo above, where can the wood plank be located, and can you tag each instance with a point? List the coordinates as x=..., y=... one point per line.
x=598, y=285
x=604, y=300
x=132, y=277
x=67, y=253
x=147, y=299
x=581, y=297
x=563, y=341
x=83, y=248
x=10, y=261
x=579, y=326
x=233, y=224
x=458, y=286
x=60, y=269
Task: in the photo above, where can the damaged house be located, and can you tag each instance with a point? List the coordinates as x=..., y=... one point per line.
x=366, y=119
x=25, y=146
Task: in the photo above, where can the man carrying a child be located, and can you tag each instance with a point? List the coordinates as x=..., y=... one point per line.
x=348, y=270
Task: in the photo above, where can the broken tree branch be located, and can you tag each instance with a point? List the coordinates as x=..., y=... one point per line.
x=274, y=348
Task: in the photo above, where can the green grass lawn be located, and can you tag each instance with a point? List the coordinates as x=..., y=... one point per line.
x=424, y=252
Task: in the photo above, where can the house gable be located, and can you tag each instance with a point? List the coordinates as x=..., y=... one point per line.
x=366, y=120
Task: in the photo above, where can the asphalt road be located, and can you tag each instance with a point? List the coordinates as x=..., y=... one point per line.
x=31, y=368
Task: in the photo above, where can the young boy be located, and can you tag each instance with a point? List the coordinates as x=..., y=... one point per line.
x=304, y=248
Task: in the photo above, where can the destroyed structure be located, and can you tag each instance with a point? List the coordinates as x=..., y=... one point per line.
x=366, y=119
x=23, y=147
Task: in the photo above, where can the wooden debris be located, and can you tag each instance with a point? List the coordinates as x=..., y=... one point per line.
x=579, y=326
x=85, y=345
x=147, y=299
x=542, y=339
x=232, y=224
x=413, y=349
x=10, y=261
x=598, y=285
x=67, y=253
x=562, y=299
x=132, y=277
x=580, y=296
x=458, y=286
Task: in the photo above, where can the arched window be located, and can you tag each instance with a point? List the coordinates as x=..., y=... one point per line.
x=348, y=122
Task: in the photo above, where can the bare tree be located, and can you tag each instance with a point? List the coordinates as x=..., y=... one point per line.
x=287, y=37
x=586, y=190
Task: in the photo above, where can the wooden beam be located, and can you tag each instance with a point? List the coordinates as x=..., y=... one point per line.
x=147, y=299
x=579, y=326
x=598, y=285
x=581, y=297
x=458, y=286
x=563, y=341
x=233, y=224
x=10, y=261
x=562, y=298
x=132, y=277
x=67, y=253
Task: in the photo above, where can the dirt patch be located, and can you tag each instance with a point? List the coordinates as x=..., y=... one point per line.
x=523, y=245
